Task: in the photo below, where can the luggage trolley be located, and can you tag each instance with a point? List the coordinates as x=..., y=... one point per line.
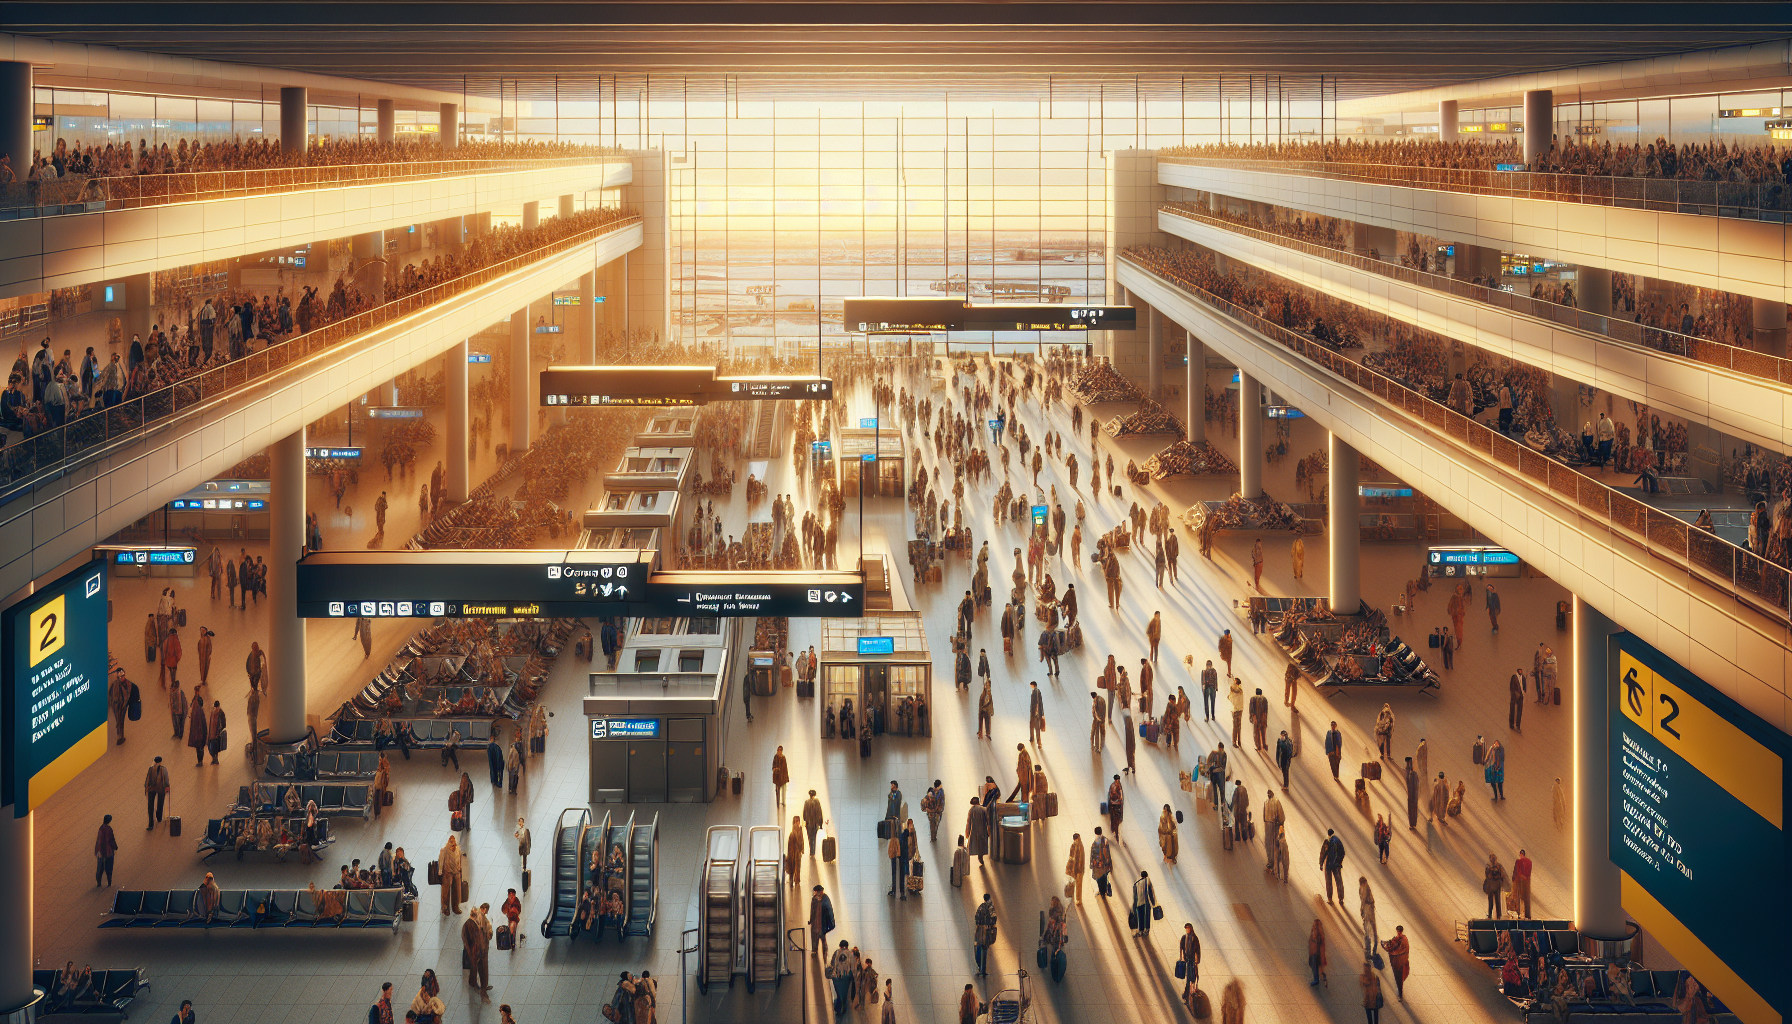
x=1013, y=1005
x=765, y=905
x=719, y=926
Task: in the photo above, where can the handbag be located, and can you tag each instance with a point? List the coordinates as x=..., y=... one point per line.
x=1181, y=970
x=435, y=872
x=1041, y=958
x=1157, y=913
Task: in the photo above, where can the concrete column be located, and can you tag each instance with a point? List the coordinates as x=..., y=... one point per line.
x=587, y=318
x=1346, y=539
x=456, y=475
x=1594, y=290
x=1598, y=897
x=139, y=313
x=566, y=202
x=1446, y=120
x=1250, y=435
x=365, y=248
x=16, y=874
x=1384, y=241
x=450, y=134
x=17, y=107
x=294, y=106
x=1770, y=326
x=388, y=121
x=285, y=698
x=1539, y=125
x=531, y=215
x=1197, y=389
x=1154, y=354
x=522, y=413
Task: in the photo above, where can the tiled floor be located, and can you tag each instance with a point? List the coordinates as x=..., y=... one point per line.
x=1251, y=927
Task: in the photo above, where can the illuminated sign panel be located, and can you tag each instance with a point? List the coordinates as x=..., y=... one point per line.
x=55, y=685
x=1697, y=825
x=660, y=386
x=1457, y=562
x=943, y=316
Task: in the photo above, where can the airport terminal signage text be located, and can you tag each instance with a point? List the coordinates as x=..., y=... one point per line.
x=1457, y=562
x=1697, y=825
x=663, y=386
x=54, y=683
x=944, y=316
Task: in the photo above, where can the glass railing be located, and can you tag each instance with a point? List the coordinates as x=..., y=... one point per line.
x=83, y=194
x=1753, y=580
x=53, y=448
x=1669, y=195
x=1685, y=346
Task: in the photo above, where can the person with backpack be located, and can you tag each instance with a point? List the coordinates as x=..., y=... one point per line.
x=983, y=934
x=1331, y=862
x=1144, y=905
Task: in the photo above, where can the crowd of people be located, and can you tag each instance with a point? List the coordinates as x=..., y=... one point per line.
x=77, y=173
x=45, y=390
x=1711, y=161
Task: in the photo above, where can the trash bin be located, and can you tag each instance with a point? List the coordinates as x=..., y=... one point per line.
x=1016, y=840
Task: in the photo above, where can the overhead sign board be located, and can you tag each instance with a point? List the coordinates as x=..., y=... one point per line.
x=395, y=412
x=479, y=357
x=54, y=681
x=625, y=728
x=1697, y=826
x=869, y=315
x=1457, y=562
x=877, y=645
x=153, y=556
x=729, y=595
x=332, y=453
x=660, y=386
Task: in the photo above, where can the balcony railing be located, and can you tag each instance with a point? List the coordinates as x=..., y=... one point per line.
x=1753, y=580
x=1685, y=346
x=1668, y=195
x=78, y=194
x=52, y=449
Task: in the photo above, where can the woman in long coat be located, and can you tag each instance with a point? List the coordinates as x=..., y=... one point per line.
x=196, y=729
x=1166, y=834
x=1075, y=866
x=976, y=830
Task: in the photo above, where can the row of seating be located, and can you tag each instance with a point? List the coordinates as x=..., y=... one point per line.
x=324, y=764
x=357, y=734
x=270, y=797
x=217, y=840
x=253, y=908
x=112, y=993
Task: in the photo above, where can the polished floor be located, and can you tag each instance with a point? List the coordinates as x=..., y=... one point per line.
x=1252, y=927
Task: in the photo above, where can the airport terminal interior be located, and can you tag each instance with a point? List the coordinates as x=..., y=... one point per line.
x=895, y=514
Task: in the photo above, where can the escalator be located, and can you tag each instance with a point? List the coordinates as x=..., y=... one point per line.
x=616, y=836
x=643, y=877
x=764, y=425
x=591, y=842
x=764, y=898
x=568, y=865
x=718, y=939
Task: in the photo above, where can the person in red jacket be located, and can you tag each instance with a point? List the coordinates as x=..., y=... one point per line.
x=1521, y=884
x=170, y=656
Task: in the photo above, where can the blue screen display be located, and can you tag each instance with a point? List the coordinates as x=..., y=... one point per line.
x=877, y=645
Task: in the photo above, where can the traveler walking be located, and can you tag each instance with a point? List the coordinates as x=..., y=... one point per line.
x=812, y=820
x=1144, y=905
x=1334, y=748
x=1235, y=697
x=1400, y=959
x=1331, y=862
x=1493, y=882
x=1101, y=864
x=983, y=934
x=105, y=848
x=1074, y=867
x=821, y=918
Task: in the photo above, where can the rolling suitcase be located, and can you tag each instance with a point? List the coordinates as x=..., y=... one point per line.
x=1372, y=770
x=829, y=849
x=174, y=825
x=528, y=876
x=435, y=872
x=1046, y=806
x=505, y=939
x=1060, y=963
x=1225, y=838
x=180, y=617
x=883, y=829
x=457, y=822
x=465, y=890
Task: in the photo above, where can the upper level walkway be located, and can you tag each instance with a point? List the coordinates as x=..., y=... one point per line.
x=1682, y=243
x=1744, y=393
x=80, y=231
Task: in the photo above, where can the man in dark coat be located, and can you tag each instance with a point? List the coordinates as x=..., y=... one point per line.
x=494, y=758
x=1412, y=796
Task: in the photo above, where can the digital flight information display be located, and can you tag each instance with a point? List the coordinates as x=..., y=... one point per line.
x=55, y=682
x=1697, y=826
x=669, y=386
x=467, y=584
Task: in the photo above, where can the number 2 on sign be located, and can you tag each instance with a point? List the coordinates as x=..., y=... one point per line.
x=1673, y=713
x=48, y=630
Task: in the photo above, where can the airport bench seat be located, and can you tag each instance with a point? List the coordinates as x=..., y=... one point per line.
x=252, y=908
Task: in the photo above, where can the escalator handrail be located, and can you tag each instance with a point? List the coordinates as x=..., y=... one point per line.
x=559, y=827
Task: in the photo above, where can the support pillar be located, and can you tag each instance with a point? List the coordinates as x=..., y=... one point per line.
x=1197, y=389
x=388, y=122
x=1594, y=290
x=1770, y=326
x=566, y=202
x=286, y=682
x=522, y=413
x=1250, y=435
x=587, y=318
x=1344, y=535
x=450, y=130
x=139, y=311
x=294, y=106
x=456, y=475
x=1446, y=120
x=531, y=216
x=1154, y=354
x=1539, y=126
x=367, y=248
x=16, y=945
x=17, y=107
x=1598, y=891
